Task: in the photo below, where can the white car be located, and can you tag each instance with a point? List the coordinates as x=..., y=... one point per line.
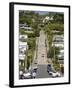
x=27, y=75
x=33, y=74
x=21, y=72
x=55, y=74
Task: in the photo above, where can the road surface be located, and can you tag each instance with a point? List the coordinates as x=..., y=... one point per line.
x=41, y=54
x=42, y=72
x=42, y=57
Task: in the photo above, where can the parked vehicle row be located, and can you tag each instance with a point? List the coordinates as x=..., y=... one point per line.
x=28, y=75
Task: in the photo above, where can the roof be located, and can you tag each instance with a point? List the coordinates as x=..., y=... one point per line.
x=47, y=17
x=58, y=44
x=55, y=31
x=22, y=43
x=25, y=24
x=58, y=37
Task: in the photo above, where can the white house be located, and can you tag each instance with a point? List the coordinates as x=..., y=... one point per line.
x=55, y=31
x=47, y=18
x=58, y=41
x=23, y=44
x=25, y=25
x=21, y=57
x=22, y=50
x=23, y=47
x=58, y=37
x=58, y=44
x=62, y=51
x=23, y=37
x=26, y=28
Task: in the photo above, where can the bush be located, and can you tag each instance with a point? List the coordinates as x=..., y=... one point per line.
x=31, y=43
x=56, y=66
x=56, y=26
x=30, y=35
x=36, y=32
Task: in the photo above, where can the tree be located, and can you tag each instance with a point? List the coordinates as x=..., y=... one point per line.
x=53, y=53
x=59, y=18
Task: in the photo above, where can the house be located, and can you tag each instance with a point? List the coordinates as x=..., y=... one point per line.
x=55, y=31
x=22, y=50
x=25, y=25
x=47, y=18
x=23, y=44
x=58, y=38
x=58, y=41
x=61, y=58
x=26, y=28
x=58, y=44
x=21, y=59
x=23, y=38
x=23, y=47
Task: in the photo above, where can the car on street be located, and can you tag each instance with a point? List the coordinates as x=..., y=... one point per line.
x=27, y=75
x=49, y=68
x=34, y=69
x=52, y=72
x=33, y=74
x=21, y=75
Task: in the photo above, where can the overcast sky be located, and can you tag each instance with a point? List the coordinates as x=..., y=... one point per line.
x=42, y=12
x=45, y=12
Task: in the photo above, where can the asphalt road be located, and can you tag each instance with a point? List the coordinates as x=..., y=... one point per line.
x=42, y=57
x=42, y=72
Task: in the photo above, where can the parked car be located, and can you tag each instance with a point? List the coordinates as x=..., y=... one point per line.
x=49, y=68
x=27, y=75
x=21, y=75
x=33, y=74
x=35, y=69
x=52, y=72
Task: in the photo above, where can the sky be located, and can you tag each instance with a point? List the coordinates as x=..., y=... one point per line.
x=42, y=12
